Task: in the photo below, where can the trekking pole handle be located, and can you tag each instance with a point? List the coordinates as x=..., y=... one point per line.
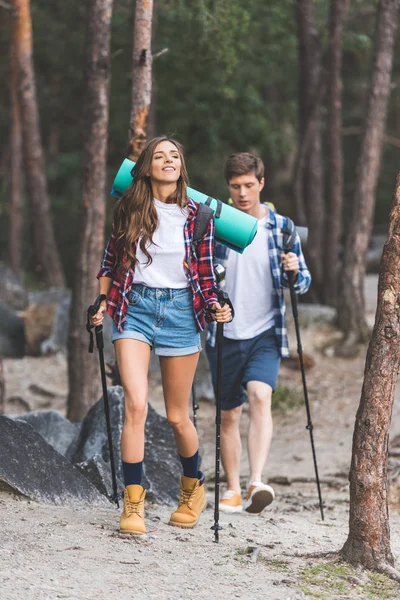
x=91, y=311
x=93, y=308
x=223, y=299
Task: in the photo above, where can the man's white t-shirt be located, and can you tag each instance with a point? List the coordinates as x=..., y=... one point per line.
x=249, y=286
x=167, y=250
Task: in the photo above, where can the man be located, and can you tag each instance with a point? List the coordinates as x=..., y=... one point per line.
x=256, y=339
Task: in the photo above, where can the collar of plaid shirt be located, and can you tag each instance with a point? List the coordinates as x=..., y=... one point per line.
x=198, y=265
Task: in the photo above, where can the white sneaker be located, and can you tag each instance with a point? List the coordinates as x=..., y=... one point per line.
x=259, y=495
x=231, y=502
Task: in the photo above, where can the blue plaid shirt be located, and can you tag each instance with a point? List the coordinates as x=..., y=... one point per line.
x=275, y=224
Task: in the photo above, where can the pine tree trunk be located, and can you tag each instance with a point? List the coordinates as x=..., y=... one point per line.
x=46, y=253
x=338, y=10
x=310, y=184
x=141, y=77
x=83, y=368
x=368, y=542
x=16, y=175
x=351, y=306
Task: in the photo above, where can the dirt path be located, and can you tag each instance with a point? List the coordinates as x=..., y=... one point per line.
x=49, y=552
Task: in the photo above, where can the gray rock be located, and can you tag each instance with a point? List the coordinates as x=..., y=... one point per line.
x=30, y=466
x=55, y=429
x=57, y=341
x=161, y=469
x=12, y=292
x=12, y=333
x=99, y=474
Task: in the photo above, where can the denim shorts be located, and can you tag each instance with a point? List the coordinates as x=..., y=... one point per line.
x=256, y=359
x=162, y=318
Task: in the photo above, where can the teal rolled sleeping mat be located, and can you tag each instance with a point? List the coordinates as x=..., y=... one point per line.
x=233, y=228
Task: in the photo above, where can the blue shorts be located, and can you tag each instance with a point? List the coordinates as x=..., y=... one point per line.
x=256, y=359
x=162, y=318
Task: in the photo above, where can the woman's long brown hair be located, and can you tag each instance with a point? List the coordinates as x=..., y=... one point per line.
x=135, y=214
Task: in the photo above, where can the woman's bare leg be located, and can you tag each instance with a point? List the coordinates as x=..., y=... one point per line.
x=177, y=378
x=133, y=359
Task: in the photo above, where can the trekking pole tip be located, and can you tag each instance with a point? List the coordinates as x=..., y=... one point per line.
x=216, y=528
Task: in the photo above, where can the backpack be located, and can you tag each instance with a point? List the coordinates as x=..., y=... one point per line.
x=203, y=217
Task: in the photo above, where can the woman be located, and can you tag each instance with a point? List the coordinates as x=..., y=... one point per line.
x=160, y=291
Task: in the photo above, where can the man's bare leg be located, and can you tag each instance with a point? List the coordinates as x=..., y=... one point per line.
x=260, y=427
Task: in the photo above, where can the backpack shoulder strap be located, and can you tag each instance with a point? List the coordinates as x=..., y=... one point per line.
x=203, y=217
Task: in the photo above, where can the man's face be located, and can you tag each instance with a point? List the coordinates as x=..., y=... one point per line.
x=245, y=193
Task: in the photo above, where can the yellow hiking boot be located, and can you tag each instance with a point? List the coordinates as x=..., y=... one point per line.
x=191, y=503
x=132, y=517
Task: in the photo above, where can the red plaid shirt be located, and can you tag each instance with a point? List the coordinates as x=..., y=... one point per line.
x=198, y=267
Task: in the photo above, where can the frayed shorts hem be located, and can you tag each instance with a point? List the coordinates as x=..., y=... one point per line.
x=130, y=335
x=160, y=351
x=177, y=351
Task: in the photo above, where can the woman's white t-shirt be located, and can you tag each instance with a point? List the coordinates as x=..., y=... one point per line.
x=167, y=250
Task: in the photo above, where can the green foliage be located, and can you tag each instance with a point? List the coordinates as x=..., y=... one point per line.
x=235, y=94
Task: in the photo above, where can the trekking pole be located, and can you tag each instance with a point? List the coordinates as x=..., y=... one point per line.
x=92, y=310
x=194, y=405
x=289, y=235
x=222, y=299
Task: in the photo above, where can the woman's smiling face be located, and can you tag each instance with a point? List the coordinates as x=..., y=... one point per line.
x=166, y=163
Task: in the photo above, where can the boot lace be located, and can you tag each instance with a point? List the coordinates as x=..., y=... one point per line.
x=187, y=497
x=133, y=507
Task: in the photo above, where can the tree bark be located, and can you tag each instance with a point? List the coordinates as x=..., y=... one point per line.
x=368, y=542
x=141, y=77
x=15, y=237
x=47, y=256
x=83, y=368
x=351, y=312
x=310, y=185
x=337, y=14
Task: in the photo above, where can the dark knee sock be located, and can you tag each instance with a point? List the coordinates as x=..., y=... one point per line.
x=132, y=473
x=190, y=465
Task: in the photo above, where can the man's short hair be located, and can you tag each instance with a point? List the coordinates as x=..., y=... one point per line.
x=242, y=163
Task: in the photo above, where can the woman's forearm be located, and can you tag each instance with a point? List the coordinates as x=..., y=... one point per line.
x=104, y=285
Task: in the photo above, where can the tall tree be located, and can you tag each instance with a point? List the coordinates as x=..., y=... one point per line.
x=309, y=183
x=46, y=252
x=15, y=237
x=337, y=13
x=84, y=381
x=351, y=305
x=142, y=60
x=368, y=542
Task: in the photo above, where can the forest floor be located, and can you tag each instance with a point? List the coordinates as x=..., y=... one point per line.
x=286, y=552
